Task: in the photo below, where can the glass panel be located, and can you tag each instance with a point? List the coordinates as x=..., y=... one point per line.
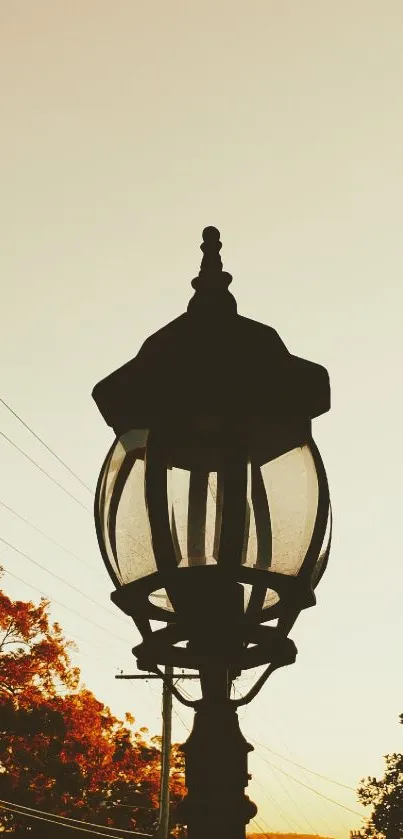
x=194, y=512
x=161, y=599
x=292, y=489
x=124, y=512
x=178, y=497
x=250, y=554
x=110, y=475
x=323, y=556
x=133, y=540
x=283, y=500
x=271, y=599
x=247, y=591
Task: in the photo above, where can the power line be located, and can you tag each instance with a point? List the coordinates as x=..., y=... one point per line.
x=307, y=786
x=46, y=446
x=68, y=818
x=305, y=768
x=312, y=789
x=53, y=821
x=63, y=605
x=297, y=807
x=275, y=805
x=50, y=539
x=70, y=494
x=186, y=727
x=105, y=653
x=61, y=580
x=88, y=654
x=73, y=824
x=66, y=491
x=261, y=828
x=323, y=817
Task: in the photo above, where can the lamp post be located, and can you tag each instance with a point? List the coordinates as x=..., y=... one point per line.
x=213, y=517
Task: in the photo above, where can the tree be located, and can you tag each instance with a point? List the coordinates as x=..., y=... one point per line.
x=385, y=795
x=61, y=749
x=34, y=655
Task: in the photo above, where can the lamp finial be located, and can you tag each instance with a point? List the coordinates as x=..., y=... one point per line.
x=211, y=276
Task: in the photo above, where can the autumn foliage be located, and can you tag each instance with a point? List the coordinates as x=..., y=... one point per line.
x=61, y=749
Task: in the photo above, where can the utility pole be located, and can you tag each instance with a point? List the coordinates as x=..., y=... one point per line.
x=163, y=823
x=166, y=740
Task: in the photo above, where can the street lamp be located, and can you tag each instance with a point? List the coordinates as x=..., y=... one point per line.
x=213, y=517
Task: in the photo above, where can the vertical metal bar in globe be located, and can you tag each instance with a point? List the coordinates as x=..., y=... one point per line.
x=261, y=511
x=233, y=517
x=156, y=496
x=197, y=508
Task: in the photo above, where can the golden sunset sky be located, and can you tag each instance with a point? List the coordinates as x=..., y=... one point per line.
x=127, y=127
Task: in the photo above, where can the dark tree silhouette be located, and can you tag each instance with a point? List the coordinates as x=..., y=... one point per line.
x=385, y=795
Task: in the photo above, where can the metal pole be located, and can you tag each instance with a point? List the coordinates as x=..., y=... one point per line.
x=216, y=753
x=216, y=756
x=163, y=823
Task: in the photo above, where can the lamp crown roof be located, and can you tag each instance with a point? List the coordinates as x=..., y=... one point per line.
x=211, y=359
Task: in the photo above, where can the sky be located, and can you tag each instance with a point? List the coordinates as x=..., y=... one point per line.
x=127, y=127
